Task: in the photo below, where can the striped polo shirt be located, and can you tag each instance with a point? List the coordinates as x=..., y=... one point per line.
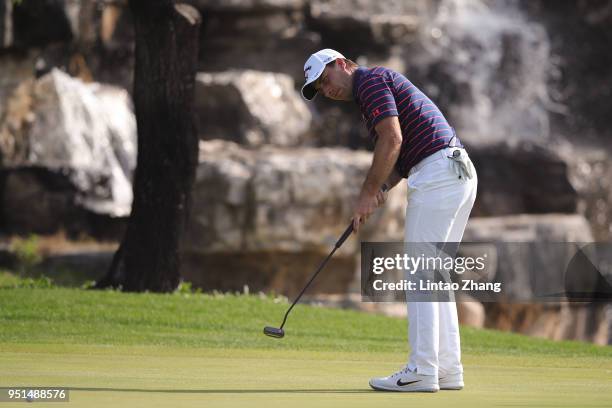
x=381, y=92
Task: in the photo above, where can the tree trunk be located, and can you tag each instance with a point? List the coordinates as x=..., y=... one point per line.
x=164, y=82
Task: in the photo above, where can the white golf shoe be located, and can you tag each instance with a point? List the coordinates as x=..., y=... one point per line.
x=450, y=381
x=407, y=381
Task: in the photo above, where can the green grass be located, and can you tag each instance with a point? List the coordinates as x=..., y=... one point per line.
x=228, y=321
x=118, y=349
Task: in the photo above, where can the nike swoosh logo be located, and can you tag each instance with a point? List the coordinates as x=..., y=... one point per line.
x=400, y=383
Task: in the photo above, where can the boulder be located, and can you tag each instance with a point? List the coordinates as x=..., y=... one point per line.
x=38, y=23
x=533, y=178
x=41, y=22
x=533, y=255
x=358, y=26
x=529, y=228
x=543, y=260
x=565, y=321
x=15, y=69
x=517, y=178
x=92, y=40
x=266, y=35
x=589, y=170
x=37, y=200
x=470, y=312
x=252, y=108
x=82, y=136
x=253, y=6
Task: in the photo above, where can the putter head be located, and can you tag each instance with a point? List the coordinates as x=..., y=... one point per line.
x=274, y=332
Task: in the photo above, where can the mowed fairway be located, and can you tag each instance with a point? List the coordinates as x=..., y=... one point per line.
x=116, y=349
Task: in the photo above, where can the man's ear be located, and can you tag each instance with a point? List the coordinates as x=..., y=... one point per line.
x=341, y=63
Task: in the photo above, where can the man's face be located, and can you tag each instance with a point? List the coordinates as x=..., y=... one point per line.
x=335, y=82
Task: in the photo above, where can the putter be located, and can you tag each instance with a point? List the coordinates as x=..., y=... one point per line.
x=279, y=333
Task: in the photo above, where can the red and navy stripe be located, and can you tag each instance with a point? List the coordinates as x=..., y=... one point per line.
x=381, y=92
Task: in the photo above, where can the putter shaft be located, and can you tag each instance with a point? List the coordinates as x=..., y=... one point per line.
x=347, y=233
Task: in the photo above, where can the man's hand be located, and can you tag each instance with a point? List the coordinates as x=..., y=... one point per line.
x=381, y=198
x=365, y=206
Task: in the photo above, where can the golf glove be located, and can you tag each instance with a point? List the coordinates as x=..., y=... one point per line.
x=462, y=165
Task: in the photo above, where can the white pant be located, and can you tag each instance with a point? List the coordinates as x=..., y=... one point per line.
x=439, y=204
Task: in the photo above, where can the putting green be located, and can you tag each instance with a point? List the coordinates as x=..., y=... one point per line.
x=116, y=349
x=150, y=376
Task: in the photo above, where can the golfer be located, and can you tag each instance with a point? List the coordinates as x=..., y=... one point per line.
x=413, y=141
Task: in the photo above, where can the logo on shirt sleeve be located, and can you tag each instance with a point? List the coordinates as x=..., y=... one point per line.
x=376, y=112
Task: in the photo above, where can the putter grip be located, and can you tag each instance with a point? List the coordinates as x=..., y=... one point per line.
x=349, y=229
x=344, y=236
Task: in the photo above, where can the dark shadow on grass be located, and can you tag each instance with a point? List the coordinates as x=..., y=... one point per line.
x=226, y=391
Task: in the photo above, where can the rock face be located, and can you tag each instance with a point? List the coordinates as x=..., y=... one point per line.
x=82, y=134
x=516, y=178
x=529, y=228
x=498, y=69
x=262, y=209
x=260, y=35
x=580, y=37
x=590, y=171
x=522, y=178
x=529, y=265
x=279, y=200
x=486, y=66
x=558, y=322
x=40, y=22
x=14, y=70
x=247, y=5
x=470, y=312
x=525, y=247
x=251, y=108
x=358, y=26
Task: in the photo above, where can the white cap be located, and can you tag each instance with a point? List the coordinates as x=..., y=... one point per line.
x=313, y=68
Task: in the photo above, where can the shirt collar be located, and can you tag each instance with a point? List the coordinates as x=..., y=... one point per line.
x=359, y=72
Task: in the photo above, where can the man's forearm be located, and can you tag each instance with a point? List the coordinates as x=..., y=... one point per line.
x=386, y=153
